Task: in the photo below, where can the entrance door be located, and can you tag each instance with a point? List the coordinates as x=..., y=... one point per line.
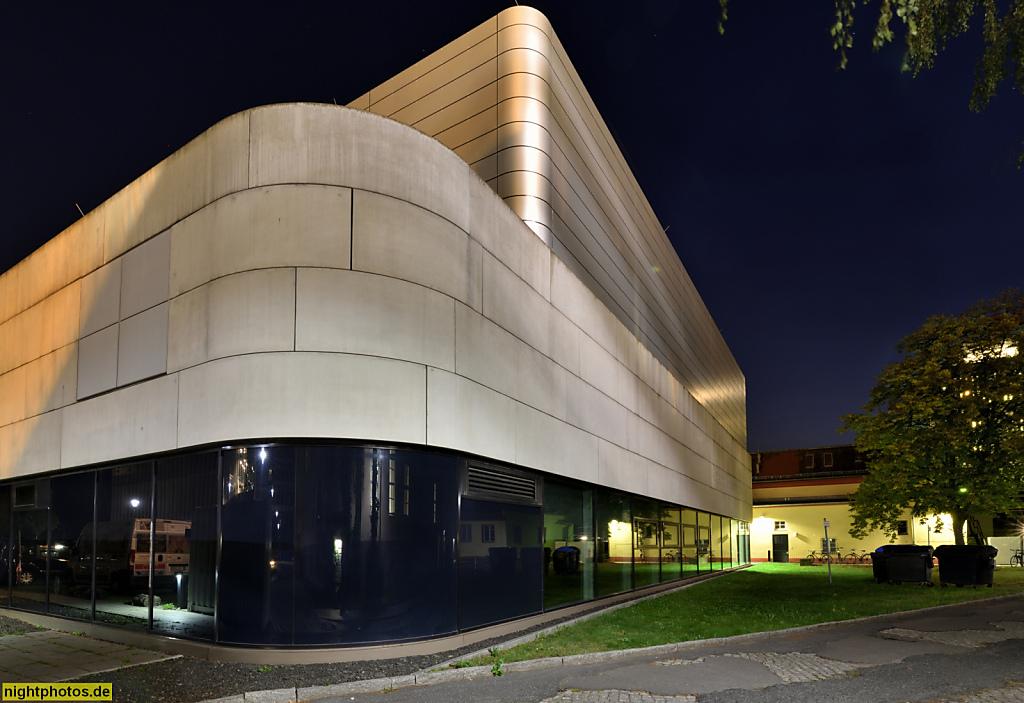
x=780, y=548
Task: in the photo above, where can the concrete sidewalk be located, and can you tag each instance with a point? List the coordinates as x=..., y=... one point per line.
x=50, y=656
x=967, y=653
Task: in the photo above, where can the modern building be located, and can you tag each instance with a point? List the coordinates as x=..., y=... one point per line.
x=398, y=371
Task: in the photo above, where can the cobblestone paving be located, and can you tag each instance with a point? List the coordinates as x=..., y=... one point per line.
x=961, y=638
x=791, y=667
x=679, y=662
x=616, y=696
x=1011, y=694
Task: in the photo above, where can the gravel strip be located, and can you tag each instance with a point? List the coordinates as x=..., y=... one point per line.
x=10, y=626
x=187, y=679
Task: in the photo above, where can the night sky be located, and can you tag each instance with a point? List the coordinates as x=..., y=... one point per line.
x=822, y=215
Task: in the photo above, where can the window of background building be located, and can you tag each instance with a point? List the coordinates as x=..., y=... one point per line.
x=809, y=461
x=901, y=527
x=827, y=461
x=487, y=533
x=780, y=525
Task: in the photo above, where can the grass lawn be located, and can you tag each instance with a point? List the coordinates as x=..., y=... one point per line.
x=761, y=598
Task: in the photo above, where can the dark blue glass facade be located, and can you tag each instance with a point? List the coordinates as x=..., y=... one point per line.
x=292, y=545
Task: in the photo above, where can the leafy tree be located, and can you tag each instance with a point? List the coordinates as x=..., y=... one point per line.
x=943, y=431
x=929, y=24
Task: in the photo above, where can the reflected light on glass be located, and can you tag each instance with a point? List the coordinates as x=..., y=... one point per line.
x=263, y=454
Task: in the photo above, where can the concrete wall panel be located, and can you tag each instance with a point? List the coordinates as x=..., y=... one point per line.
x=101, y=298
x=514, y=305
x=289, y=225
x=12, y=395
x=464, y=415
x=622, y=469
x=542, y=383
x=134, y=421
x=593, y=411
x=606, y=373
x=325, y=144
x=548, y=444
x=242, y=313
x=51, y=381
x=400, y=240
x=290, y=394
x=64, y=259
x=142, y=346
x=361, y=282
x=361, y=313
x=486, y=353
x=528, y=257
x=30, y=446
x=145, y=275
x=97, y=362
x=43, y=328
x=210, y=166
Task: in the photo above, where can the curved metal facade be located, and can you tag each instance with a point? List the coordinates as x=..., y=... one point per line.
x=506, y=99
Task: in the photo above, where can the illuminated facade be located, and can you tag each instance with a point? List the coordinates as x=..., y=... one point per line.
x=796, y=490
x=347, y=351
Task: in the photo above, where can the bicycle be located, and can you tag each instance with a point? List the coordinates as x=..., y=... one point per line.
x=820, y=557
x=1017, y=559
x=854, y=558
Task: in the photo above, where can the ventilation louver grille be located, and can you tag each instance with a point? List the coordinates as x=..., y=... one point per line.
x=495, y=482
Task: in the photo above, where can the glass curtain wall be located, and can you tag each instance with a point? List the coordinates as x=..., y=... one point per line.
x=705, y=557
x=614, y=543
x=726, y=543
x=5, y=535
x=689, y=553
x=257, y=561
x=671, y=543
x=185, y=546
x=29, y=546
x=569, y=546
x=716, y=542
x=743, y=541
x=118, y=537
x=286, y=545
x=374, y=545
x=501, y=562
x=646, y=543
x=71, y=510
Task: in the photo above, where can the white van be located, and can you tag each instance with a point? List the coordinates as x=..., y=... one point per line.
x=122, y=552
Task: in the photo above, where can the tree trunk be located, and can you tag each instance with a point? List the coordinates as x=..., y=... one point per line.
x=958, y=520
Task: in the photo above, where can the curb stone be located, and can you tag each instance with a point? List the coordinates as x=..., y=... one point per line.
x=426, y=678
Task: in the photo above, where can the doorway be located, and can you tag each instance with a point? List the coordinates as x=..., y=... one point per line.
x=780, y=549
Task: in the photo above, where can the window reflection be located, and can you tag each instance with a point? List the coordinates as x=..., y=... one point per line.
x=614, y=543
x=568, y=544
x=499, y=579
x=327, y=545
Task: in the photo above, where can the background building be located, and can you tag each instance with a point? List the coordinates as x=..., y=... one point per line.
x=391, y=383
x=796, y=490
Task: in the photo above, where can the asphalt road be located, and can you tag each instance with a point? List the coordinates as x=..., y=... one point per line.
x=947, y=655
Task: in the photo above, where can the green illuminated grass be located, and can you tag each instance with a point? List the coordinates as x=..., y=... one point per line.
x=762, y=598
